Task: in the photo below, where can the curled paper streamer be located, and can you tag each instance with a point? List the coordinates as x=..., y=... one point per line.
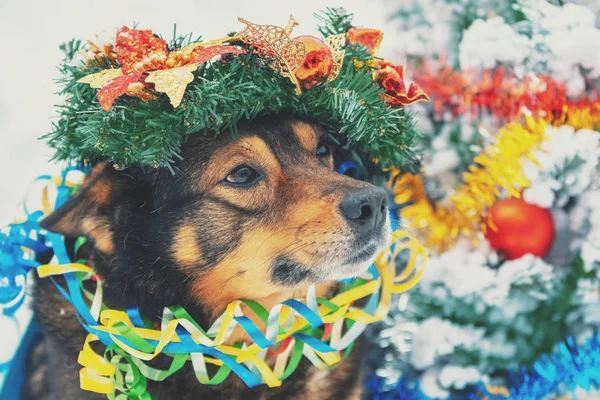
x=322, y=330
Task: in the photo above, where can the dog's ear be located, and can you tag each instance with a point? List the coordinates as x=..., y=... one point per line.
x=87, y=212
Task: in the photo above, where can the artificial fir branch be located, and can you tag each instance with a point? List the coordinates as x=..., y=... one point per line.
x=223, y=94
x=334, y=21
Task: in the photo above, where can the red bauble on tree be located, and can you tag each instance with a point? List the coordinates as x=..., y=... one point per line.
x=318, y=63
x=515, y=228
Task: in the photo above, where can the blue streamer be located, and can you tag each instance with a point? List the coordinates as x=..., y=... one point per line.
x=313, y=342
x=135, y=317
x=313, y=319
x=253, y=331
x=349, y=166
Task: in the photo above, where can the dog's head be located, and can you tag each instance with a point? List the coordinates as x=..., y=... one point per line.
x=258, y=216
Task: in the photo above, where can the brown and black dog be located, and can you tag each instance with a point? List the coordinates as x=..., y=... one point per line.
x=258, y=217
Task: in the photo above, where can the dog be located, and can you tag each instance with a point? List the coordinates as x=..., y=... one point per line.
x=260, y=216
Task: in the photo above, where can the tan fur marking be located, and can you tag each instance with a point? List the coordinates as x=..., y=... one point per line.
x=357, y=393
x=245, y=274
x=100, y=233
x=185, y=246
x=99, y=189
x=306, y=135
x=248, y=150
x=101, y=192
x=258, y=149
x=322, y=225
x=321, y=383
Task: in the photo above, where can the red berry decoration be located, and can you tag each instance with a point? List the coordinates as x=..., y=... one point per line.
x=318, y=62
x=515, y=228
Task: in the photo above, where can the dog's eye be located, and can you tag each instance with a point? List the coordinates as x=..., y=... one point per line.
x=323, y=149
x=242, y=175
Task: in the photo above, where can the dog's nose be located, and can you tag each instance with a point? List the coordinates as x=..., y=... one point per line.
x=364, y=209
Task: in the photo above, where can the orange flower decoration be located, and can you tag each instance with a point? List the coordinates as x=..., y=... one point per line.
x=370, y=38
x=391, y=78
x=147, y=66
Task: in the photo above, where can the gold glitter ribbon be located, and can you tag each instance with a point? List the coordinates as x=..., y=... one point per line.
x=498, y=169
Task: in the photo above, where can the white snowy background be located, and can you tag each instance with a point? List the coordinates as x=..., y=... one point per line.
x=31, y=31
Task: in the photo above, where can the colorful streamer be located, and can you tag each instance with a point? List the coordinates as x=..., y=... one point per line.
x=322, y=330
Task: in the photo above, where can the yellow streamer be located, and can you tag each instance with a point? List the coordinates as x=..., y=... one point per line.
x=98, y=374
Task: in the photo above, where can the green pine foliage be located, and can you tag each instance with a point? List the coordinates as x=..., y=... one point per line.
x=334, y=21
x=223, y=94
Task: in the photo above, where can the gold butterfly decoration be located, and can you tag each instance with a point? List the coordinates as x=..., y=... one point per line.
x=97, y=80
x=274, y=43
x=148, y=67
x=336, y=44
x=145, y=60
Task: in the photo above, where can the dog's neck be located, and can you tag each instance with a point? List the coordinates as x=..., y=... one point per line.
x=147, y=283
x=130, y=282
x=122, y=292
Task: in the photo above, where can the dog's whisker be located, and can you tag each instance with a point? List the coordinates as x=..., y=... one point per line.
x=280, y=252
x=289, y=250
x=155, y=261
x=277, y=233
x=125, y=240
x=235, y=274
x=125, y=286
x=159, y=209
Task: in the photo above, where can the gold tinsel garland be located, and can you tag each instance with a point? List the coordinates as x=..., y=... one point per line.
x=585, y=116
x=498, y=169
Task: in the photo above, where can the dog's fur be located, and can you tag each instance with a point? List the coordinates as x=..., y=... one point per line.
x=194, y=239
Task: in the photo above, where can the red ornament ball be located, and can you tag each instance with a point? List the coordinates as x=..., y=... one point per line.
x=515, y=228
x=318, y=62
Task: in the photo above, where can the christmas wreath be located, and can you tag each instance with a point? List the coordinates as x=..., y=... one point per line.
x=136, y=100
